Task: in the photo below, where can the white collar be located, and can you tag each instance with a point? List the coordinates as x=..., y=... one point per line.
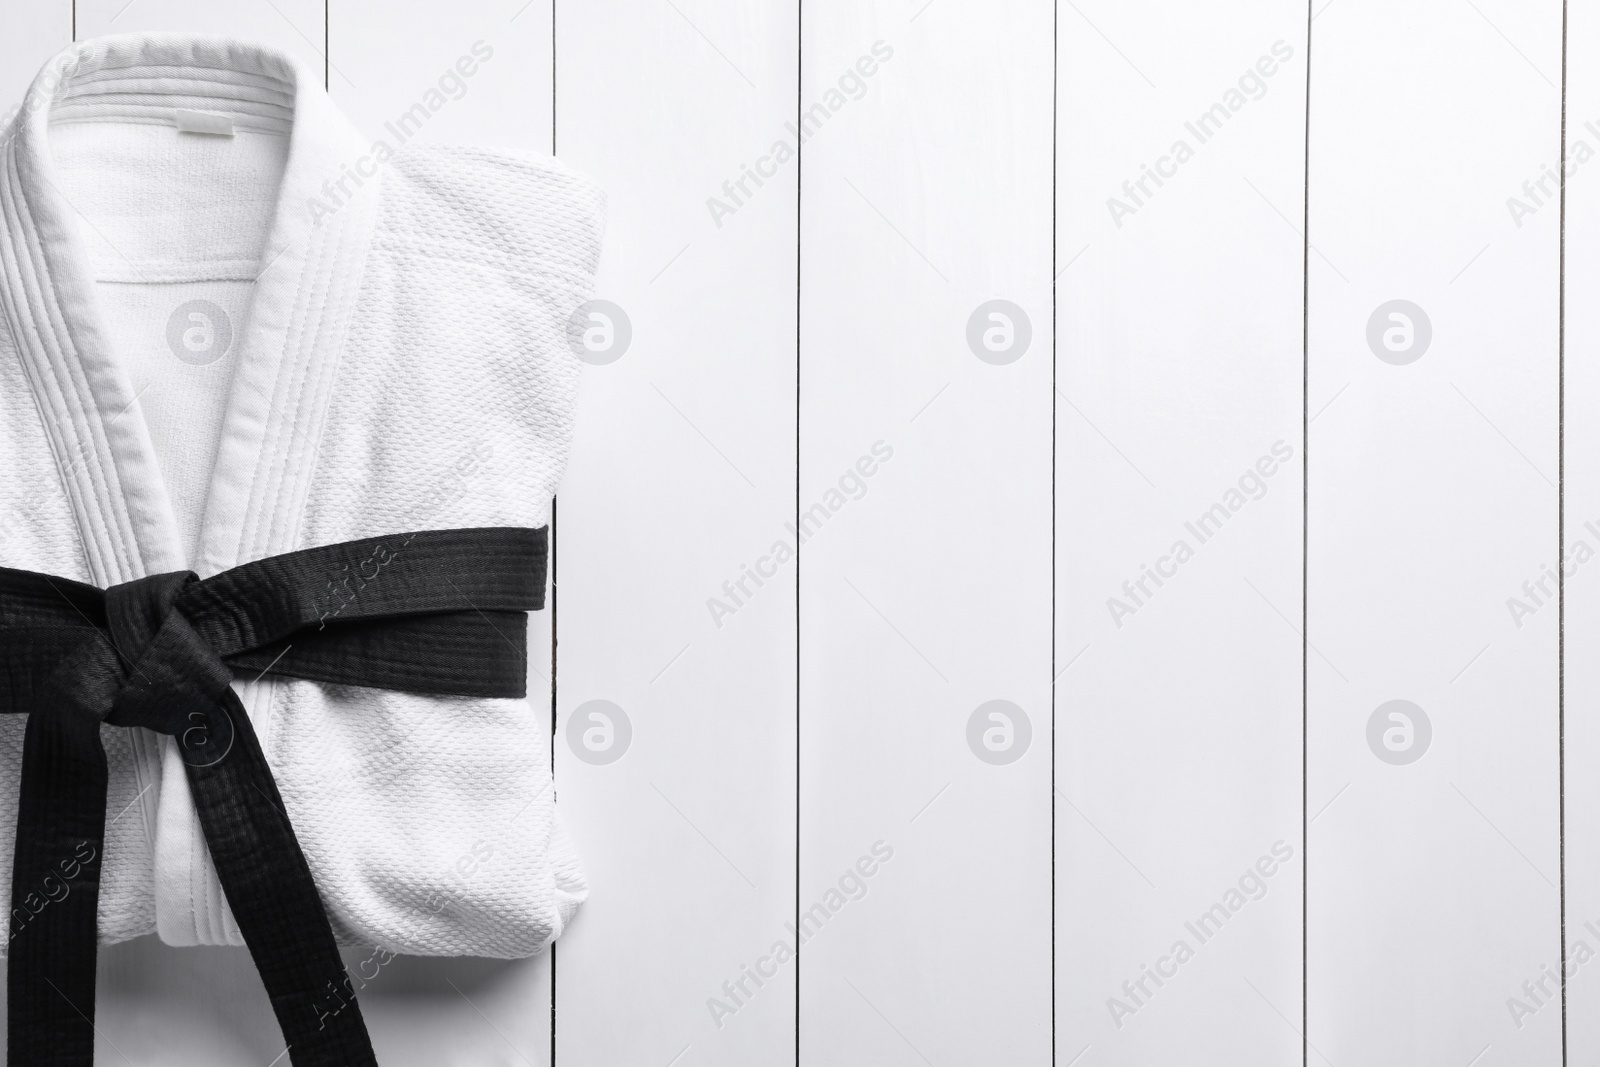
x=302, y=304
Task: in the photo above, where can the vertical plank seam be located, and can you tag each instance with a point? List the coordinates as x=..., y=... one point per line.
x=799, y=188
x=555, y=563
x=1561, y=535
x=555, y=586
x=1055, y=103
x=1305, y=562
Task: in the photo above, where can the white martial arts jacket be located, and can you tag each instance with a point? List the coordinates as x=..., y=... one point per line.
x=232, y=327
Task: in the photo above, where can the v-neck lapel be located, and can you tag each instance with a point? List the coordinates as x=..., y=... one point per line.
x=91, y=414
x=304, y=299
x=291, y=339
x=290, y=348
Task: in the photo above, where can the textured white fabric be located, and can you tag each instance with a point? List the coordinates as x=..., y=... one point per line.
x=395, y=359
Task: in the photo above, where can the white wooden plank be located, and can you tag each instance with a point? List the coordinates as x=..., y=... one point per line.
x=1178, y=540
x=34, y=33
x=1434, y=868
x=1581, y=672
x=296, y=26
x=925, y=491
x=383, y=58
x=683, y=471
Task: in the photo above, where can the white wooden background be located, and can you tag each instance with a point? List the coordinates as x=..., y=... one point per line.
x=1187, y=754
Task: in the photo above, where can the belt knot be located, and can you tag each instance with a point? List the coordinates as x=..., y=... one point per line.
x=169, y=673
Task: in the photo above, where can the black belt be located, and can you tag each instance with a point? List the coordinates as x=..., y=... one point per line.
x=438, y=612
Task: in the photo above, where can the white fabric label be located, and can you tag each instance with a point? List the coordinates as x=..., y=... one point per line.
x=211, y=122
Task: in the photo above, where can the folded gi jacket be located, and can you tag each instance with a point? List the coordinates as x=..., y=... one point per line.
x=233, y=332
